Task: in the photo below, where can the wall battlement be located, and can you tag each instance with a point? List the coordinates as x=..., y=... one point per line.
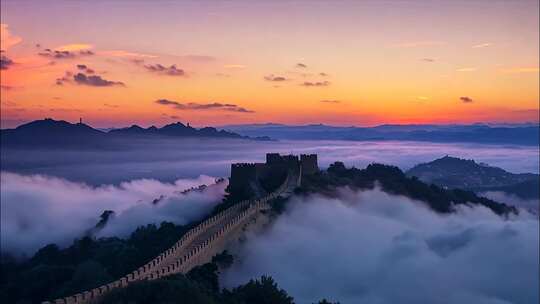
x=194, y=248
x=309, y=163
x=244, y=174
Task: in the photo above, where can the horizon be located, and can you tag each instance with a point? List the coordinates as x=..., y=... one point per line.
x=221, y=63
x=186, y=123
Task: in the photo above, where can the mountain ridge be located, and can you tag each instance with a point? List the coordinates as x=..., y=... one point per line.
x=60, y=133
x=518, y=134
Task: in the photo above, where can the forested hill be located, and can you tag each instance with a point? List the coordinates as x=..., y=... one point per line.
x=451, y=172
x=392, y=180
x=54, y=272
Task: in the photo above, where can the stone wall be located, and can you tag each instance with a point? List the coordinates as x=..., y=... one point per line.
x=309, y=163
x=194, y=248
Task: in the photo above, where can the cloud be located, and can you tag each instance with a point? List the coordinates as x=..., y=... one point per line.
x=203, y=106
x=6, y=87
x=198, y=58
x=85, y=68
x=301, y=65
x=234, y=66
x=316, y=84
x=64, y=210
x=95, y=81
x=466, y=99
x=83, y=79
x=416, y=44
x=5, y=62
x=323, y=74
x=372, y=247
x=65, y=54
x=521, y=70
x=482, y=45
x=330, y=101
x=511, y=199
x=466, y=69
x=271, y=77
x=7, y=40
x=170, y=71
x=428, y=59
x=74, y=47
x=127, y=54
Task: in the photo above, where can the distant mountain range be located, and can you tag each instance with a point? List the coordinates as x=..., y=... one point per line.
x=519, y=134
x=58, y=133
x=450, y=172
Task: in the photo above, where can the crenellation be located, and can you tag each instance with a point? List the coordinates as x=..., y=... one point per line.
x=175, y=259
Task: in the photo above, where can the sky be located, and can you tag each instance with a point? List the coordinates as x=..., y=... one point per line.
x=363, y=63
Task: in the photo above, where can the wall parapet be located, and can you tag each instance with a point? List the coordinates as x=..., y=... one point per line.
x=175, y=259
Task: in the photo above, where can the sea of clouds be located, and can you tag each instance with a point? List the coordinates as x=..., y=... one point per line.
x=372, y=247
x=172, y=159
x=37, y=210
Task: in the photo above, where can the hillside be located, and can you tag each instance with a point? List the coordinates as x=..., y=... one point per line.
x=451, y=172
x=392, y=180
x=59, y=134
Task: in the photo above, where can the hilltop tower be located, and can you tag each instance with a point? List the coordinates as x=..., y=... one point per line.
x=309, y=164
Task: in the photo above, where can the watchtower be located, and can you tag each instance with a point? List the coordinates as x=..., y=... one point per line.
x=309, y=163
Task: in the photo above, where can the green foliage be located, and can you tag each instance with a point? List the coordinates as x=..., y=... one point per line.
x=174, y=289
x=325, y=301
x=263, y=291
x=199, y=286
x=223, y=260
x=86, y=264
x=392, y=180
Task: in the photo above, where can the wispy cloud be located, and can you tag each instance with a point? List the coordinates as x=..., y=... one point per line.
x=330, y=101
x=301, y=65
x=198, y=58
x=95, y=81
x=127, y=54
x=415, y=44
x=82, y=77
x=5, y=62
x=520, y=70
x=65, y=54
x=272, y=77
x=234, y=66
x=482, y=45
x=7, y=40
x=203, y=106
x=428, y=59
x=85, y=68
x=466, y=69
x=74, y=47
x=466, y=99
x=171, y=70
x=316, y=83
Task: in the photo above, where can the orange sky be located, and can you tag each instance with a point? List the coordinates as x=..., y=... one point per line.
x=340, y=63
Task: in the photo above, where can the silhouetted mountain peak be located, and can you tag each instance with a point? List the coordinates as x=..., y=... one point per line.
x=62, y=127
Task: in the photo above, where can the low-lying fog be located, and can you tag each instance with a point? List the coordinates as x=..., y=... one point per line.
x=366, y=247
x=371, y=247
x=169, y=160
x=73, y=188
x=37, y=210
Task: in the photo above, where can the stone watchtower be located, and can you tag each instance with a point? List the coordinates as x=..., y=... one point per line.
x=309, y=163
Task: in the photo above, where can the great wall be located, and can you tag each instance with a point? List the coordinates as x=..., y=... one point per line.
x=212, y=236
